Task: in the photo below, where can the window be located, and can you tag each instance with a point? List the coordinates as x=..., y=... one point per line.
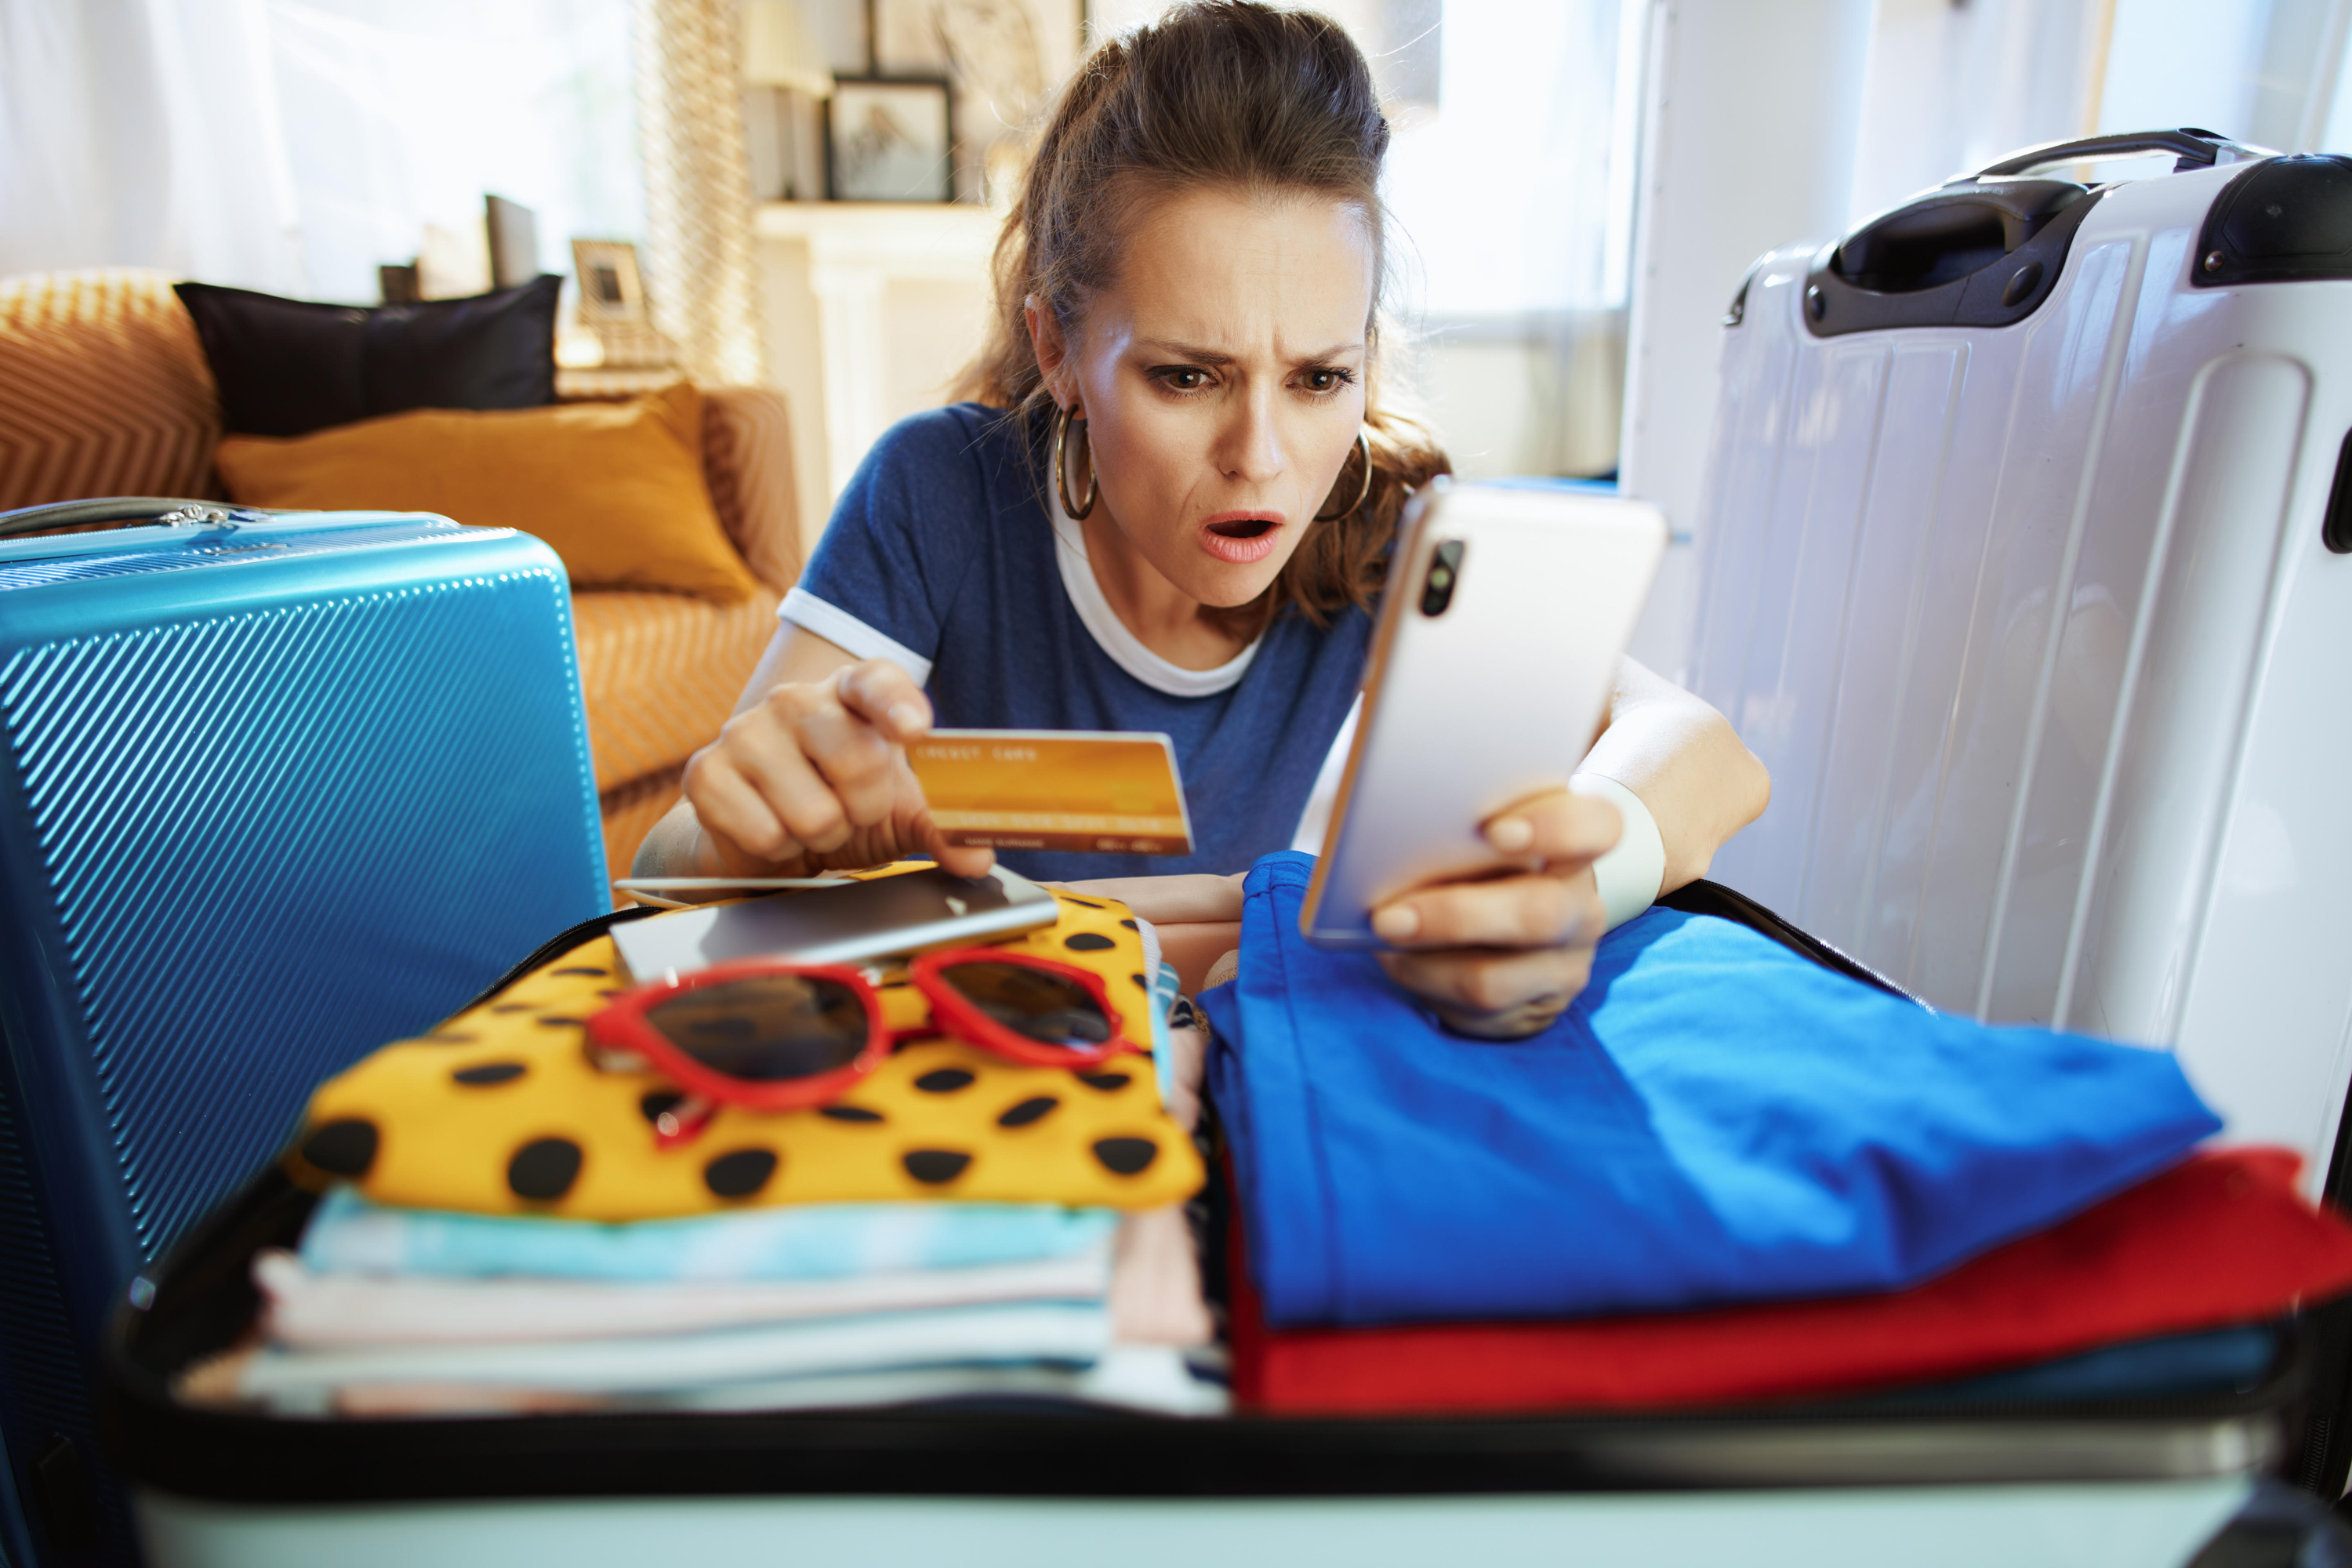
x=401, y=116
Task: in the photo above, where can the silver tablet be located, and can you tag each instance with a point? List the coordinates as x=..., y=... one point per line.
x=916, y=911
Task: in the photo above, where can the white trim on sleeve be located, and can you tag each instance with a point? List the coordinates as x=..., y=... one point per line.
x=847, y=633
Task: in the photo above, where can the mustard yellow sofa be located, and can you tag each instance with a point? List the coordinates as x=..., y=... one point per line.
x=104, y=391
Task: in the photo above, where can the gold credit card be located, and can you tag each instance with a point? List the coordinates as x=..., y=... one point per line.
x=1094, y=791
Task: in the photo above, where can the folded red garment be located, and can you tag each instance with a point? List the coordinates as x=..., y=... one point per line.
x=2221, y=1238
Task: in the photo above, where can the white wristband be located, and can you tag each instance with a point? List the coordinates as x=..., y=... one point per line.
x=1629, y=875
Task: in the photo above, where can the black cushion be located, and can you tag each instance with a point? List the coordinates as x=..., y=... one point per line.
x=287, y=367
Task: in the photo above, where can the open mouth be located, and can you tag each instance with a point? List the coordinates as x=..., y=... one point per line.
x=1239, y=538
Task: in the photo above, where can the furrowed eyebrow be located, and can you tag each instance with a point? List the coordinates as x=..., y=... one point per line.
x=1201, y=354
x=1188, y=350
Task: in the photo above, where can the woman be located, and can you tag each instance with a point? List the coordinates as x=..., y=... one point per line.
x=1168, y=508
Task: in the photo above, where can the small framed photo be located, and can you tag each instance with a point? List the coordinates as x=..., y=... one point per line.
x=889, y=139
x=1005, y=57
x=612, y=294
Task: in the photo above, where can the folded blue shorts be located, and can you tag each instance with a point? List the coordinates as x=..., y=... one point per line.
x=1716, y=1119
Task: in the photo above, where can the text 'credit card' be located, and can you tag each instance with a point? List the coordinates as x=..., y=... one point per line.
x=1090, y=791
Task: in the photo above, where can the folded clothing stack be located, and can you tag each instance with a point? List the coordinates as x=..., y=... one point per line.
x=500, y=1229
x=2163, y=1290
x=387, y=1310
x=1727, y=1173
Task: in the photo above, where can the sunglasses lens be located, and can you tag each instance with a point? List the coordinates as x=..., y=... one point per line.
x=767, y=1028
x=1044, y=1007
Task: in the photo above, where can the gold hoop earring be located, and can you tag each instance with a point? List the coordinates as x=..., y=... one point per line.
x=1061, y=468
x=1363, y=444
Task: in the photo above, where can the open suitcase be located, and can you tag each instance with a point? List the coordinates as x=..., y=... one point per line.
x=2025, y=576
x=273, y=789
x=1923, y=1477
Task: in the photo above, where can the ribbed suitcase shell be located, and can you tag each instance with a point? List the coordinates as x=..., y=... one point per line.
x=270, y=795
x=2034, y=627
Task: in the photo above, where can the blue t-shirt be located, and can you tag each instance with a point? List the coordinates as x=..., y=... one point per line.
x=943, y=554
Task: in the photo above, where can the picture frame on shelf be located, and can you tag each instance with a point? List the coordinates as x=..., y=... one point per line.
x=398, y=282
x=890, y=139
x=1004, y=59
x=612, y=289
x=613, y=307
x=513, y=231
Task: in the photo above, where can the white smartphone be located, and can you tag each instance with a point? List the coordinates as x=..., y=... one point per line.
x=1506, y=614
x=848, y=923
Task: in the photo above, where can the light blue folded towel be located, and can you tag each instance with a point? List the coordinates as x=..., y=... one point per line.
x=1164, y=987
x=349, y=1234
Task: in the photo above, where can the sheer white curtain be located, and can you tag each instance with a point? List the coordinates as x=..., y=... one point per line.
x=295, y=145
x=145, y=132
x=404, y=113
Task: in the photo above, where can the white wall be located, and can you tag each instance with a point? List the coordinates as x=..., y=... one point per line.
x=2263, y=71
x=871, y=310
x=1748, y=144
x=1949, y=88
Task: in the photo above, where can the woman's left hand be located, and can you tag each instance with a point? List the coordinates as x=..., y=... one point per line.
x=1502, y=957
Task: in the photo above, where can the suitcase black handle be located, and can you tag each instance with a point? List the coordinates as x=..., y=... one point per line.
x=126, y=511
x=1946, y=235
x=2194, y=149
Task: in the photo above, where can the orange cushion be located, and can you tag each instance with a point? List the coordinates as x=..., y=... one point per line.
x=615, y=489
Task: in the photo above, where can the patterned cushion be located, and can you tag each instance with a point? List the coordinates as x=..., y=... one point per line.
x=103, y=390
x=662, y=672
x=747, y=460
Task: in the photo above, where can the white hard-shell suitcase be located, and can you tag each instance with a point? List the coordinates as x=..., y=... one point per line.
x=2023, y=574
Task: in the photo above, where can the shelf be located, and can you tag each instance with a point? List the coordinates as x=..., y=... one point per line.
x=932, y=238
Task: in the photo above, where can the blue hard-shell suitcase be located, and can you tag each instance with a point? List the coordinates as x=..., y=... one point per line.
x=274, y=788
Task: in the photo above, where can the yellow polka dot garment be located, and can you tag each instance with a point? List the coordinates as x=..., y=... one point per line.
x=500, y=1110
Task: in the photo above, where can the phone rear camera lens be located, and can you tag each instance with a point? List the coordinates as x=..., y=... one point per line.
x=1445, y=568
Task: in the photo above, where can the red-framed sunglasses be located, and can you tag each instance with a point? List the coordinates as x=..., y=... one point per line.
x=769, y=1034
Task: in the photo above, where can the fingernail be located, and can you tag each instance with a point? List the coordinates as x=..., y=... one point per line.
x=1511, y=835
x=905, y=718
x=1396, y=922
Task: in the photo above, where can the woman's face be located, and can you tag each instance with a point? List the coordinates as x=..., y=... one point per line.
x=1221, y=377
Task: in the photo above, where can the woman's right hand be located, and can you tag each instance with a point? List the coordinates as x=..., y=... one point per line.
x=813, y=775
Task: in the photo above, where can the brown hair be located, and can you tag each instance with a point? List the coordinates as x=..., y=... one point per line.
x=1227, y=93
